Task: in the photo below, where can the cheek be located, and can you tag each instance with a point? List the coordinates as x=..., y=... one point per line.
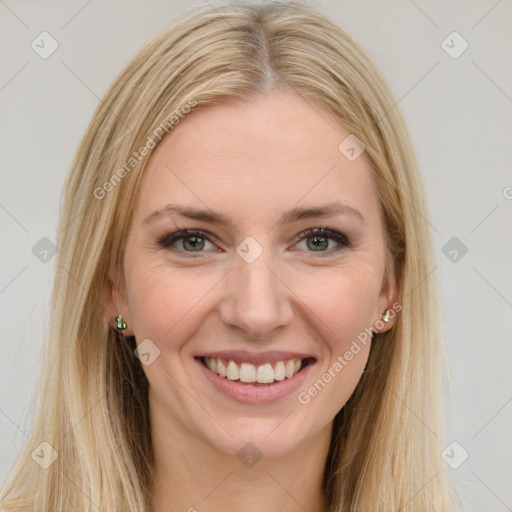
x=342, y=299
x=343, y=304
x=164, y=303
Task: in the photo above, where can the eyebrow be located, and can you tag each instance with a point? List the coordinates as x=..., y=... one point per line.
x=294, y=215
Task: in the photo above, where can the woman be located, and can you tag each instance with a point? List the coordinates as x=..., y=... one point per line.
x=291, y=362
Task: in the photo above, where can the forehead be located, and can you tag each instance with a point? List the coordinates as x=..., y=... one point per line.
x=260, y=157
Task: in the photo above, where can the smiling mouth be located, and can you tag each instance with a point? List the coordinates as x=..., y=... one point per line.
x=255, y=375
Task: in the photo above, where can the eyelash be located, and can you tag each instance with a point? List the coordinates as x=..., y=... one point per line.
x=170, y=237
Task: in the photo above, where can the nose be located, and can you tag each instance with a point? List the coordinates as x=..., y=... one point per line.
x=256, y=302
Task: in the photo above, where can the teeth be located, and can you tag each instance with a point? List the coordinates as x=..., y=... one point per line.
x=221, y=369
x=247, y=372
x=232, y=372
x=265, y=373
x=289, y=368
x=279, y=372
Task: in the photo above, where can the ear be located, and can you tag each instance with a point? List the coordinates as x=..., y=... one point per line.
x=115, y=303
x=389, y=299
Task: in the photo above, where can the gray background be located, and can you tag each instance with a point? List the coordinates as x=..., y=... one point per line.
x=459, y=114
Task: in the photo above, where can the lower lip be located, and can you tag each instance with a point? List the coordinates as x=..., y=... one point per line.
x=249, y=394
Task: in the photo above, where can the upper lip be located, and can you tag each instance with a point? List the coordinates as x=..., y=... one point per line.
x=256, y=358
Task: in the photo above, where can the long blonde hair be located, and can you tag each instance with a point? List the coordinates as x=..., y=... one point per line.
x=93, y=405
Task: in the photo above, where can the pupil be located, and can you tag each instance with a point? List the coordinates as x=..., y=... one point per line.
x=318, y=241
x=195, y=241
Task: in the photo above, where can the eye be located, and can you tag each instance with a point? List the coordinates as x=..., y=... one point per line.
x=194, y=241
x=320, y=238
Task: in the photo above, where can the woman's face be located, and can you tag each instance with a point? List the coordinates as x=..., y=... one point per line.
x=251, y=285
